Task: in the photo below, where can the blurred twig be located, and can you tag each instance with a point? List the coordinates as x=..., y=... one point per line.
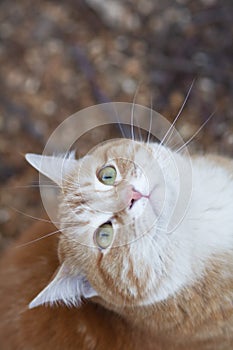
x=81, y=59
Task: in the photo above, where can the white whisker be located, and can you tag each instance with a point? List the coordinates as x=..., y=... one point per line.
x=37, y=239
x=140, y=134
x=119, y=122
x=196, y=133
x=132, y=112
x=176, y=118
x=150, y=125
x=33, y=186
x=39, y=219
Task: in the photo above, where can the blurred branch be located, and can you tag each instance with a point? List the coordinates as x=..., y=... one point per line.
x=81, y=60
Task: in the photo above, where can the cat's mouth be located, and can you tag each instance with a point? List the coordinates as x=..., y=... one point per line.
x=135, y=196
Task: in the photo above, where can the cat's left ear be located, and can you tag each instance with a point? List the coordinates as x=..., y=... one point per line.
x=64, y=287
x=53, y=167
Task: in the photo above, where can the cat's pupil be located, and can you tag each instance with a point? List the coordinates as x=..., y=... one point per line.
x=104, y=234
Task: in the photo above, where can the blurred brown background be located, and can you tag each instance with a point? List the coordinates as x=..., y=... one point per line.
x=58, y=57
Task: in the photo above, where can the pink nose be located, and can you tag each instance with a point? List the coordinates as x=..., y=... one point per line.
x=135, y=195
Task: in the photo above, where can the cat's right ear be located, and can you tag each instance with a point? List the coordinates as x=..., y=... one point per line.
x=53, y=167
x=64, y=287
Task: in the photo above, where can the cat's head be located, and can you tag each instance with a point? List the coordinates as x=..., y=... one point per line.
x=114, y=206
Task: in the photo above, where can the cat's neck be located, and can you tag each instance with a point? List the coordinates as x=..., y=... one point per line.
x=200, y=235
x=185, y=313
x=207, y=227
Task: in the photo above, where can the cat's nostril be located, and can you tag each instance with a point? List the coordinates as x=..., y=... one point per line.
x=131, y=203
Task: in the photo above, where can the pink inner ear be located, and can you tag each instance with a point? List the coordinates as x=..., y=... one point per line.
x=87, y=290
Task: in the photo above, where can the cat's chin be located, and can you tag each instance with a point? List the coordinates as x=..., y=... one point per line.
x=113, y=305
x=119, y=305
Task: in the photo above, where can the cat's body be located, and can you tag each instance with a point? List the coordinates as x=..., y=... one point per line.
x=191, y=307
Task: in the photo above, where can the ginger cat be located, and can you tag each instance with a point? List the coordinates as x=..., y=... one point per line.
x=115, y=277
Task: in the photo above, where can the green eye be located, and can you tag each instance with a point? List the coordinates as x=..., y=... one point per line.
x=104, y=236
x=107, y=175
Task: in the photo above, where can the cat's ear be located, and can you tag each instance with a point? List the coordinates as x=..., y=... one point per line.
x=53, y=167
x=66, y=288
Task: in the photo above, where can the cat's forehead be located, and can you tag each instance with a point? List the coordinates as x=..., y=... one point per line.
x=114, y=149
x=122, y=152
